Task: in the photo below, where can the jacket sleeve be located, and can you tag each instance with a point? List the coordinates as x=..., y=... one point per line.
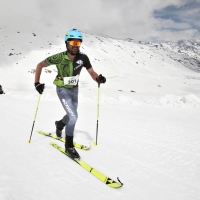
x=54, y=59
x=87, y=63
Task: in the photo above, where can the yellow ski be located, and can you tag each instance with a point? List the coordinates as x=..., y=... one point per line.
x=80, y=146
x=105, y=179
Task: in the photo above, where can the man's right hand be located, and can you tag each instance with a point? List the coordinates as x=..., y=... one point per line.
x=39, y=87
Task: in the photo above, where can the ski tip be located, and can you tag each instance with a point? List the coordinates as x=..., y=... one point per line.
x=113, y=183
x=120, y=181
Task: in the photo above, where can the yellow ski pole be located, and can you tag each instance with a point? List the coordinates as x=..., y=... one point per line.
x=29, y=141
x=98, y=102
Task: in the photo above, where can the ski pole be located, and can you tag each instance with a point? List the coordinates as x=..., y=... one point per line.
x=95, y=143
x=29, y=141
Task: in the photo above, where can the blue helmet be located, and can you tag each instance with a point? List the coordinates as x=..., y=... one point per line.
x=74, y=34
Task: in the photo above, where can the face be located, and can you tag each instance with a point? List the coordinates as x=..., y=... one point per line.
x=73, y=46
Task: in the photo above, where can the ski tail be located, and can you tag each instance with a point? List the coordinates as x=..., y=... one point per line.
x=79, y=146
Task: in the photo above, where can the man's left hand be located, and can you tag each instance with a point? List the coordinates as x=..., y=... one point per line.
x=101, y=79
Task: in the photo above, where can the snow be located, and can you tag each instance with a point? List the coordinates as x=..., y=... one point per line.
x=148, y=124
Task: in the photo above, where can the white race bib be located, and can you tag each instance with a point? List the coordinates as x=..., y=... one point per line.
x=72, y=80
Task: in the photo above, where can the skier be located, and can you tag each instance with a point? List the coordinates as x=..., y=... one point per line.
x=1, y=90
x=69, y=64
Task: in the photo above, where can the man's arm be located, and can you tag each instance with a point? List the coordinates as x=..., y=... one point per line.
x=39, y=70
x=93, y=74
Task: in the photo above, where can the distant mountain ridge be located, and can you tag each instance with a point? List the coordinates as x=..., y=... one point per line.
x=186, y=52
x=128, y=65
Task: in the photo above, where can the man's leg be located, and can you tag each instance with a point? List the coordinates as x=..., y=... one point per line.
x=69, y=101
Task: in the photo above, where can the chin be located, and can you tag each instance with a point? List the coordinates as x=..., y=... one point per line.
x=73, y=53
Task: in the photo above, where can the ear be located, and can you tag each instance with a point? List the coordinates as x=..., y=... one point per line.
x=66, y=44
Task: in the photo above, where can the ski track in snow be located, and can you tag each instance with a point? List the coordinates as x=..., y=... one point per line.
x=155, y=151
x=163, y=158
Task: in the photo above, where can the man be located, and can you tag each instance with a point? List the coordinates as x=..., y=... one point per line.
x=69, y=64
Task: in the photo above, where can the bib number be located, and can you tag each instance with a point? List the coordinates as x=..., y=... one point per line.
x=72, y=80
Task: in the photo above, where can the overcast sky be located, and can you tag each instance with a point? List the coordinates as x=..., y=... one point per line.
x=146, y=20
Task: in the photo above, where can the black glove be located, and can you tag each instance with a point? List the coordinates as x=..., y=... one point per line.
x=101, y=79
x=39, y=87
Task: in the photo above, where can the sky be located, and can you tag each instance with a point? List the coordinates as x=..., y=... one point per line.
x=144, y=20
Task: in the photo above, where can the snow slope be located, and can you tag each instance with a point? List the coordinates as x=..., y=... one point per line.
x=154, y=150
x=148, y=123
x=129, y=66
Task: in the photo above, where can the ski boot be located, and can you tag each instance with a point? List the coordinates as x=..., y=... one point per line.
x=69, y=148
x=59, y=127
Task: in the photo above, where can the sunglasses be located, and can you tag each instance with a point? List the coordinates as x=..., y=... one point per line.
x=75, y=43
